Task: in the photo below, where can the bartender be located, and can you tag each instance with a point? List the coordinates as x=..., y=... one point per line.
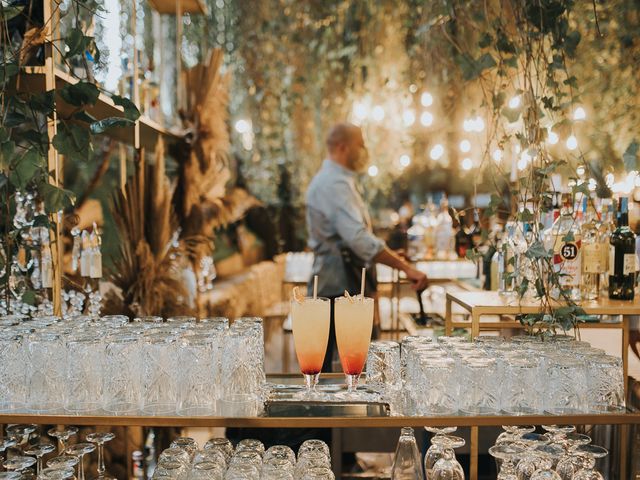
x=339, y=226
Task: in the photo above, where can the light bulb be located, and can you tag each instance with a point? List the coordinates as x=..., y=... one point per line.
x=408, y=117
x=552, y=137
x=478, y=124
x=426, y=119
x=514, y=102
x=465, y=146
x=377, y=113
x=580, y=170
x=426, y=99
x=497, y=155
x=572, y=142
x=372, y=171
x=467, y=164
x=579, y=114
x=243, y=126
x=405, y=160
x=436, y=152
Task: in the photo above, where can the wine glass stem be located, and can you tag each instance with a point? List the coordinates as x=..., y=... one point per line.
x=310, y=381
x=38, y=465
x=352, y=383
x=101, y=467
x=62, y=447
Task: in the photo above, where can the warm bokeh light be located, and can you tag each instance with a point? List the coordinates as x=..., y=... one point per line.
x=426, y=119
x=514, y=102
x=497, y=155
x=436, y=152
x=243, y=126
x=408, y=117
x=580, y=170
x=552, y=137
x=360, y=110
x=579, y=114
x=426, y=99
x=372, y=171
x=572, y=142
x=377, y=113
x=467, y=164
x=405, y=160
x=465, y=146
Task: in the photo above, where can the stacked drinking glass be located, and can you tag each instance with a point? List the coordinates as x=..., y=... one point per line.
x=523, y=376
x=114, y=366
x=219, y=460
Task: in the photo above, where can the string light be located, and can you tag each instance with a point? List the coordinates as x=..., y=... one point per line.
x=580, y=170
x=405, y=160
x=572, y=142
x=552, y=137
x=413, y=88
x=372, y=171
x=579, y=114
x=426, y=119
x=465, y=146
x=497, y=155
x=243, y=126
x=473, y=124
x=426, y=99
x=514, y=102
x=408, y=117
x=467, y=164
x=377, y=113
x=436, y=152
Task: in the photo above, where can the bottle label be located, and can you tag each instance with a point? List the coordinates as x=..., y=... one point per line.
x=612, y=260
x=629, y=263
x=570, y=263
x=604, y=251
x=592, y=258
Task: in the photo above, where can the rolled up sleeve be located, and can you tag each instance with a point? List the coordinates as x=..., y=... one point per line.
x=351, y=225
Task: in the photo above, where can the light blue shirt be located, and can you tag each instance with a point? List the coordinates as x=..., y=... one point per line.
x=337, y=217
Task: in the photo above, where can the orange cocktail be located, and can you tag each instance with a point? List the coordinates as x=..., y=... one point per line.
x=310, y=320
x=354, y=323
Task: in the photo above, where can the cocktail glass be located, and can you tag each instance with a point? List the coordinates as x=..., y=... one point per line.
x=80, y=450
x=311, y=319
x=62, y=436
x=507, y=453
x=39, y=451
x=354, y=323
x=100, y=438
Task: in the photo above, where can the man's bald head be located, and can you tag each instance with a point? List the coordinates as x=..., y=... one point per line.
x=345, y=144
x=342, y=133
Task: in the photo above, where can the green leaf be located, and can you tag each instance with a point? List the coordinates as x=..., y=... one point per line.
x=505, y=45
x=26, y=167
x=130, y=109
x=111, y=122
x=7, y=150
x=8, y=70
x=42, y=102
x=511, y=114
x=73, y=141
x=84, y=117
x=29, y=297
x=77, y=43
x=537, y=250
x=498, y=100
x=572, y=81
x=473, y=68
x=41, y=221
x=80, y=94
x=56, y=198
x=14, y=118
x=571, y=42
x=485, y=40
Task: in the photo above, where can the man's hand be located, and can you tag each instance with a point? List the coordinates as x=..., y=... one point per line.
x=418, y=279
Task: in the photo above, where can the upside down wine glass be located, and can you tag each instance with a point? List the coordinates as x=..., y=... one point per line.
x=311, y=319
x=100, y=438
x=62, y=436
x=80, y=450
x=447, y=467
x=434, y=453
x=354, y=324
x=588, y=455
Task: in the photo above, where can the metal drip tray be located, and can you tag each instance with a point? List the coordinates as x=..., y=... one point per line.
x=302, y=408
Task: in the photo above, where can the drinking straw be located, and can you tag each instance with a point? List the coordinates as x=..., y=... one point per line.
x=315, y=287
x=364, y=271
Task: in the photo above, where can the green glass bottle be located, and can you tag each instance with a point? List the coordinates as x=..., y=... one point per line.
x=622, y=256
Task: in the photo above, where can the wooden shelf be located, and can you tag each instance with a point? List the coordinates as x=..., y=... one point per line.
x=323, y=422
x=168, y=7
x=33, y=80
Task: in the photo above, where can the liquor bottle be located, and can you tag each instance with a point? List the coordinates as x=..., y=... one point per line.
x=567, y=259
x=606, y=228
x=592, y=255
x=415, y=239
x=622, y=256
x=406, y=463
x=137, y=465
x=444, y=231
x=463, y=240
x=150, y=454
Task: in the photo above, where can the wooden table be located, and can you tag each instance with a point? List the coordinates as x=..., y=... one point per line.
x=479, y=303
